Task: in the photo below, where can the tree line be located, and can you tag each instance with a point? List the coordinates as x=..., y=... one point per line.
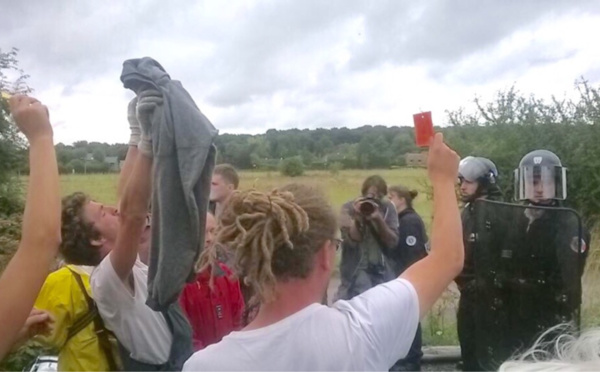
x=503, y=129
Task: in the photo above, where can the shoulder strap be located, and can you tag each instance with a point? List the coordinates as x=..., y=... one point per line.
x=99, y=328
x=88, y=317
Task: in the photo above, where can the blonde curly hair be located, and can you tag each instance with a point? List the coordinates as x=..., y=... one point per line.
x=272, y=236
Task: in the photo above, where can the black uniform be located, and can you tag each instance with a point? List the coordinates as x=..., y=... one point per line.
x=466, y=315
x=528, y=269
x=466, y=325
x=413, y=245
x=549, y=271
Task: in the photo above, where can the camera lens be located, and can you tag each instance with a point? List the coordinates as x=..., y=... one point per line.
x=367, y=208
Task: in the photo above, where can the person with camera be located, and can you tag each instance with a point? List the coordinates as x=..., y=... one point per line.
x=369, y=227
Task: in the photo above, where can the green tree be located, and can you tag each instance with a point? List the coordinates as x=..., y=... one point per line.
x=512, y=124
x=99, y=155
x=79, y=153
x=323, y=146
x=76, y=165
x=11, y=143
x=292, y=167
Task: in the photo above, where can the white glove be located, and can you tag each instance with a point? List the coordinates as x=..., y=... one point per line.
x=134, y=124
x=148, y=102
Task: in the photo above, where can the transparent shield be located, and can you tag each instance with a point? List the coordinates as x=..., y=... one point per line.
x=528, y=266
x=539, y=183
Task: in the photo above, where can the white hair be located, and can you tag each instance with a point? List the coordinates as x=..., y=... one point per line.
x=565, y=352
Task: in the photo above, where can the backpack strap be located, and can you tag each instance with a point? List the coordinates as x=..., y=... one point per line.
x=99, y=328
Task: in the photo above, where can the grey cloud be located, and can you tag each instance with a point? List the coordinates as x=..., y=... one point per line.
x=70, y=41
x=445, y=31
x=248, y=64
x=239, y=58
x=520, y=61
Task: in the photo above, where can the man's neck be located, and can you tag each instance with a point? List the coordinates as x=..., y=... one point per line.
x=218, y=208
x=291, y=297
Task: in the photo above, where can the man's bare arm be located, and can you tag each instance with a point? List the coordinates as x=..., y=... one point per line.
x=134, y=209
x=132, y=152
x=26, y=272
x=136, y=196
x=432, y=275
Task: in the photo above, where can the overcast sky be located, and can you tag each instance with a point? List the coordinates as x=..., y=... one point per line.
x=256, y=65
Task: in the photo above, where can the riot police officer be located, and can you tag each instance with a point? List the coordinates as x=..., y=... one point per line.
x=413, y=245
x=478, y=179
x=555, y=245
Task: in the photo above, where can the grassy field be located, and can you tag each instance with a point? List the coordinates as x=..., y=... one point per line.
x=340, y=188
x=439, y=327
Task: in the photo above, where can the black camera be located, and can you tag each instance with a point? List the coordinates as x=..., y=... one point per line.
x=368, y=205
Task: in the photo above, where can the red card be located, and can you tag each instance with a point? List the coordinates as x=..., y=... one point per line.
x=423, y=128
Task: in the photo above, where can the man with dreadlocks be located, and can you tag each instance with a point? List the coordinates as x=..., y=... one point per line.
x=285, y=247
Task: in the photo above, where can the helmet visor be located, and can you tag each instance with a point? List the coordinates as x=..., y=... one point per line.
x=538, y=183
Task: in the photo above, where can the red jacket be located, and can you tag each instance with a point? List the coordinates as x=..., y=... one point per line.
x=214, y=313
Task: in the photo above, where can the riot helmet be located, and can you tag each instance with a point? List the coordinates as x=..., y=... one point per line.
x=540, y=177
x=480, y=170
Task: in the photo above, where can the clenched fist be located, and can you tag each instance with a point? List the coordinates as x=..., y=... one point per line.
x=32, y=118
x=442, y=163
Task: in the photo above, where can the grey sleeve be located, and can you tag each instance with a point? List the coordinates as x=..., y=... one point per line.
x=391, y=217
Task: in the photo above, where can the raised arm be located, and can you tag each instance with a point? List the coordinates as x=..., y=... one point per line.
x=132, y=151
x=26, y=272
x=136, y=194
x=432, y=275
x=133, y=212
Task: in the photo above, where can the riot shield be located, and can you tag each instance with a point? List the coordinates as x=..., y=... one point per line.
x=528, y=263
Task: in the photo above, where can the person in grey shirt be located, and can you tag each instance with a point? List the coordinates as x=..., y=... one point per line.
x=369, y=227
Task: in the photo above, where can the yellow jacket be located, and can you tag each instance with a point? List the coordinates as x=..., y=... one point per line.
x=62, y=297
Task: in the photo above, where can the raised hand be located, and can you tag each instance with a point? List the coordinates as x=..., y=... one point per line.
x=134, y=124
x=32, y=118
x=442, y=163
x=38, y=323
x=147, y=103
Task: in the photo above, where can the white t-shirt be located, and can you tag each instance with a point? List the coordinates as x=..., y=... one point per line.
x=143, y=331
x=370, y=332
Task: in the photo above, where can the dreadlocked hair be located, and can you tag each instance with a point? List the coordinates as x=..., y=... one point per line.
x=272, y=236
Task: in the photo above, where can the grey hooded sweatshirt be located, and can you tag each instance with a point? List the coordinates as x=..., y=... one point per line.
x=184, y=158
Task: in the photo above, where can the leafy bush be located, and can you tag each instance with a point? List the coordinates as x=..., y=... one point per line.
x=292, y=167
x=10, y=234
x=512, y=125
x=24, y=357
x=11, y=200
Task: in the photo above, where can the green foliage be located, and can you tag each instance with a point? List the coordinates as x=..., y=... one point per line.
x=96, y=167
x=382, y=147
x=292, y=167
x=76, y=165
x=507, y=128
x=12, y=145
x=11, y=197
x=439, y=326
x=24, y=357
x=76, y=157
x=99, y=155
x=10, y=234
